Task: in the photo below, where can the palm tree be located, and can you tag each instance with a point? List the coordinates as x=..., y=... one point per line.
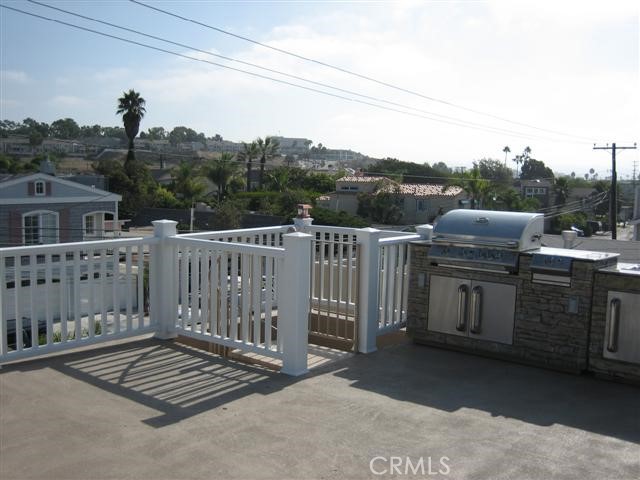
x=222, y=172
x=518, y=159
x=248, y=154
x=268, y=148
x=506, y=151
x=279, y=179
x=131, y=107
x=562, y=190
x=187, y=182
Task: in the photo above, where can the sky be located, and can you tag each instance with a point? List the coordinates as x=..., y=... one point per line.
x=568, y=68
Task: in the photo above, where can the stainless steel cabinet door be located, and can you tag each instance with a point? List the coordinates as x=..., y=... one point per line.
x=448, y=305
x=622, y=330
x=492, y=311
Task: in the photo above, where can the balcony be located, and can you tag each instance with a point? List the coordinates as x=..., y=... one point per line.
x=139, y=393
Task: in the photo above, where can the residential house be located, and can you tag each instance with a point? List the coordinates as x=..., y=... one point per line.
x=40, y=208
x=542, y=190
x=421, y=203
x=293, y=146
x=16, y=145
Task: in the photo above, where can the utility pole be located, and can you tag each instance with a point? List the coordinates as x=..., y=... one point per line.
x=613, y=199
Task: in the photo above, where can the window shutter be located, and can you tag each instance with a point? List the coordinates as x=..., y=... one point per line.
x=15, y=228
x=31, y=188
x=64, y=226
x=48, y=189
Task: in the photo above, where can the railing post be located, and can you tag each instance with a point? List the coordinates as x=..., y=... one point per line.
x=162, y=279
x=368, y=282
x=293, y=303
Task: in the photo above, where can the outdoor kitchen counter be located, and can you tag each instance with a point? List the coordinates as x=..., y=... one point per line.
x=617, y=283
x=622, y=269
x=584, y=255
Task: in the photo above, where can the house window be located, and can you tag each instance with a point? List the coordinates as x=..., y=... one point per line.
x=422, y=205
x=40, y=188
x=93, y=226
x=40, y=228
x=89, y=225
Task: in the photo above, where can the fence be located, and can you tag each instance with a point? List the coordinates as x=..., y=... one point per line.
x=261, y=290
x=64, y=296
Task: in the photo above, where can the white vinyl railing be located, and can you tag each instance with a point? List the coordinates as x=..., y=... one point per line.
x=266, y=236
x=252, y=289
x=334, y=282
x=393, y=284
x=62, y=296
x=228, y=293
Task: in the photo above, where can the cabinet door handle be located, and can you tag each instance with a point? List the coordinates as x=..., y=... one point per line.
x=476, y=309
x=461, y=324
x=614, y=325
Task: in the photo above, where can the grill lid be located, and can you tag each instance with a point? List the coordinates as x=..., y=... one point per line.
x=512, y=230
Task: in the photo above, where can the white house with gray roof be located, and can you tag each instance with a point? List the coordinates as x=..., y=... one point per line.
x=39, y=209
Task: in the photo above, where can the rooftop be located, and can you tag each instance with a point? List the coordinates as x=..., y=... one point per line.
x=153, y=409
x=362, y=179
x=426, y=190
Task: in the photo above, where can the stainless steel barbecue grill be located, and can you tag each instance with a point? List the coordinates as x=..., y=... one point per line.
x=486, y=239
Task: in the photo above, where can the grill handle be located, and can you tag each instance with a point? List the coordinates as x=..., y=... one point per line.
x=461, y=324
x=476, y=309
x=614, y=325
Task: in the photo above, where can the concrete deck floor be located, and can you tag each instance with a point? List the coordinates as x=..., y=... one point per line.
x=160, y=410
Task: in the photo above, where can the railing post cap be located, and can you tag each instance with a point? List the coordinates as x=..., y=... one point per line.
x=164, y=228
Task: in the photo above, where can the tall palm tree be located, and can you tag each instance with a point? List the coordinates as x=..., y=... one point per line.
x=131, y=107
x=222, y=172
x=268, y=149
x=506, y=151
x=249, y=152
x=518, y=159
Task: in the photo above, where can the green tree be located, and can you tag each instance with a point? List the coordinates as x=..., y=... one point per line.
x=533, y=169
x=156, y=133
x=494, y=171
x=65, y=128
x=476, y=187
x=278, y=179
x=382, y=206
x=222, y=171
x=249, y=153
x=187, y=182
x=132, y=108
x=268, y=149
x=184, y=134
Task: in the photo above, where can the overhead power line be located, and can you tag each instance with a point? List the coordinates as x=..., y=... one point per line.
x=284, y=82
x=355, y=74
x=459, y=122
